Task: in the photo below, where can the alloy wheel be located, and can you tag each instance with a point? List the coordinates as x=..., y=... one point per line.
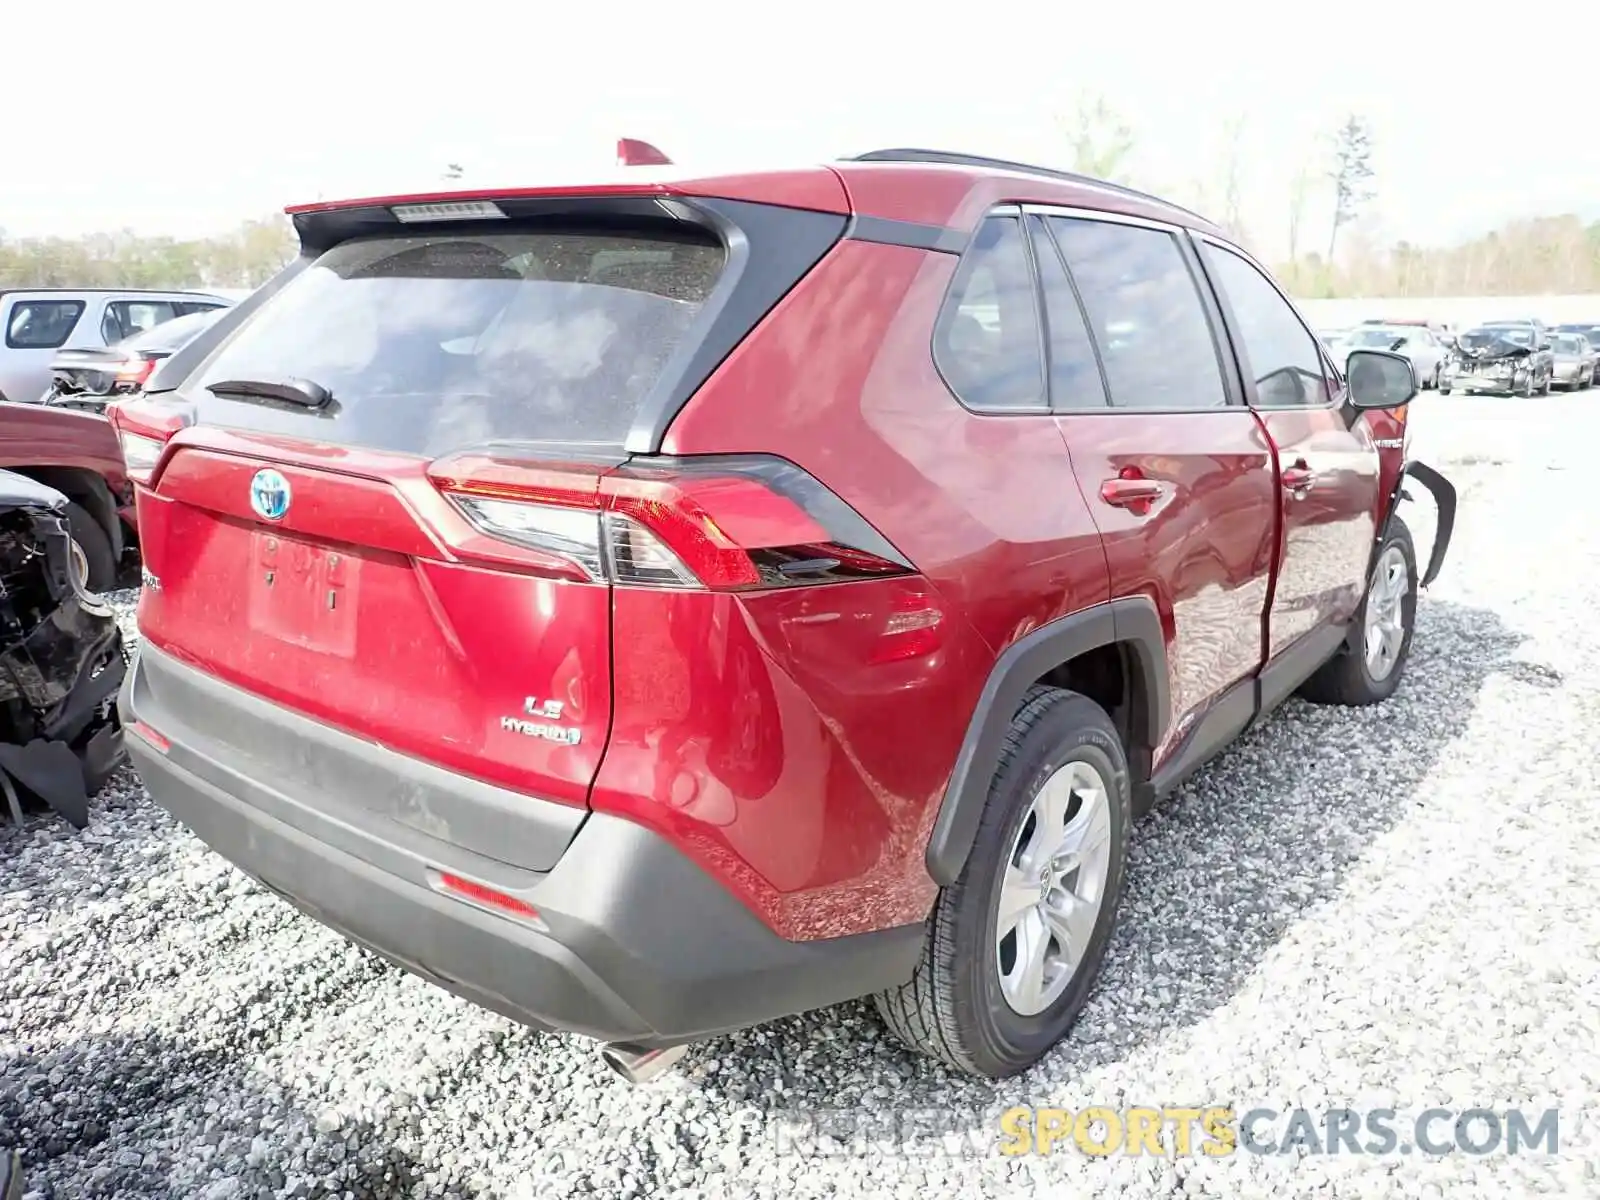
x=1053, y=888
x=1385, y=627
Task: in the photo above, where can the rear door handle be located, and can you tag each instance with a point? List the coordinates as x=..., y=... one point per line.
x=1297, y=480
x=1135, y=495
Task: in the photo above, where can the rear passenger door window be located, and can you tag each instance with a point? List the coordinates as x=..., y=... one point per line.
x=124, y=318
x=1075, y=380
x=1145, y=313
x=1282, y=356
x=988, y=343
x=41, y=324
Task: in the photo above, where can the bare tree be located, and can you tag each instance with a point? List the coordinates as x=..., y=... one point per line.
x=1101, y=140
x=1351, y=174
x=1299, y=194
x=1232, y=175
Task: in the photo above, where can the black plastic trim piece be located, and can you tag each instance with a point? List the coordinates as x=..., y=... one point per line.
x=1229, y=715
x=1444, y=496
x=888, y=232
x=1132, y=622
x=1295, y=664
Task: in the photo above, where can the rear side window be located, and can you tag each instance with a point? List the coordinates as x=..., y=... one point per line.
x=41, y=324
x=987, y=343
x=1145, y=313
x=436, y=342
x=1283, y=356
x=1075, y=381
x=124, y=318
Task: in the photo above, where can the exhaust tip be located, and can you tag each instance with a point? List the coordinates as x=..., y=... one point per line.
x=638, y=1064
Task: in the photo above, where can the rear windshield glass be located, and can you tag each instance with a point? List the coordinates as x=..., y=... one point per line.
x=435, y=342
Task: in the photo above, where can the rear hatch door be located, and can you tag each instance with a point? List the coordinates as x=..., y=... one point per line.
x=301, y=551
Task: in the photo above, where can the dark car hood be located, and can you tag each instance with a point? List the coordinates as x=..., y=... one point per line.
x=1485, y=346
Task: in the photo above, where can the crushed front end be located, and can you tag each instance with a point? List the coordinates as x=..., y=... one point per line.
x=1488, y=363
x=61, y=662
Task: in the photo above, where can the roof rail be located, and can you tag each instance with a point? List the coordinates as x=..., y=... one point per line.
x=952, y=158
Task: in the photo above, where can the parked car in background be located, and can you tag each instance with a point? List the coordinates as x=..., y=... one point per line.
x=712, y=723
x=1334, y=340
x=1582, y=328
x=1575, y=361
x=78, y=455
x=1443, y=331
x=1504, y=359
x=37, y=323
x=88, y=379
x=1416, y=343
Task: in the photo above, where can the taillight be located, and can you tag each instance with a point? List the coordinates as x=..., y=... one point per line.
x=143, y=434
x=134, y=372
x=724, y=522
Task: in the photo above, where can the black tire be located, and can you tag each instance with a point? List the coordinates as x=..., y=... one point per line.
x=1345, y=678
x=953, y=1008
x=1444, y=391
x=96, y=547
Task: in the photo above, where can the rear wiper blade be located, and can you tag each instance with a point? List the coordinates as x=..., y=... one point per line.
x=303, y=392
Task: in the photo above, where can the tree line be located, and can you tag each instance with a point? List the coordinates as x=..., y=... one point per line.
x=244, y=257
x=1550, y=255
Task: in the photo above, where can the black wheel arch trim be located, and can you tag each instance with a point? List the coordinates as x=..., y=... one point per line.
x=1444, y=496
x=1132, y=622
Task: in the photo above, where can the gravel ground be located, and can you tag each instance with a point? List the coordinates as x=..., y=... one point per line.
x=1382, y=908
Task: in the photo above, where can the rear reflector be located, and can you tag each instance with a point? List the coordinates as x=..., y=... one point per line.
x=484, y=896
x=723, y=522
x=453, y=210
x=148, y=733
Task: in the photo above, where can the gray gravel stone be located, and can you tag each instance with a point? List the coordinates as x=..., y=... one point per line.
x=1391, y=907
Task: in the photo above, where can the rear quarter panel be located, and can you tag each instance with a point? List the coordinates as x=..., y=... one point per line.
x=840, y=379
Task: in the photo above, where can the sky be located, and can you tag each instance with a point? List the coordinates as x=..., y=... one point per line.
x=226, y=112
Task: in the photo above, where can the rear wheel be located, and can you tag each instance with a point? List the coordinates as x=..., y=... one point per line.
x=1370, y=671
x=92, y=560
x=1014, y=945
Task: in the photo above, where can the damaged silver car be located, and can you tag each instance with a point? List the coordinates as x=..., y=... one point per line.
x=1501, y=359
x=62, y=659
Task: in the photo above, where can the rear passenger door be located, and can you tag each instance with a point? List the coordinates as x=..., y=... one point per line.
x=1176, y=470
x=1327, y=463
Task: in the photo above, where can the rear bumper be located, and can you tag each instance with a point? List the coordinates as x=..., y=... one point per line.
x=635, y=942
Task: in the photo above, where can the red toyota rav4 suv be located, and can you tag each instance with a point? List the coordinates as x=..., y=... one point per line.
x=651, y=608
